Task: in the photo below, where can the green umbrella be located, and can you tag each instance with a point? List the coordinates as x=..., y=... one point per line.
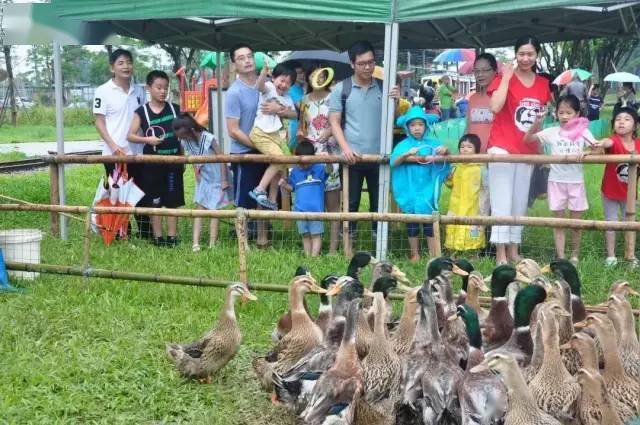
x=260, y=58
x=209, y=60
x=581, y=73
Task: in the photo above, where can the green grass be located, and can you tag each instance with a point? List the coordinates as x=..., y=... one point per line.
x=12, y=156
x=93, y=352
x=45, y=133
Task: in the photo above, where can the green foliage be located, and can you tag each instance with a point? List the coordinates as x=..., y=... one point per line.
x=45, y=133
x=12, y=156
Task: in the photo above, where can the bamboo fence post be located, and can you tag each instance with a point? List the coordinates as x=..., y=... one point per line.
x=54, y=198
x=346, y=237
x=286, y=206
x=241, y=235
x=436, y=234
x=85, y=248
x=630, y=211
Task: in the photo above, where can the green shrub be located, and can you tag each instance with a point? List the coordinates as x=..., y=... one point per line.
x=45, y=115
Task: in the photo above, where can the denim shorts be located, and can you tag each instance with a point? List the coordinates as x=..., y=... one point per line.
x=310, y=226
x=413, y=230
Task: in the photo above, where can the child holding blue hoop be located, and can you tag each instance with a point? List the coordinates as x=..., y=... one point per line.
x=416, y=186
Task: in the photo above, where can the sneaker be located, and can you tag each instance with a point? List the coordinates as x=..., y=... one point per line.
x=610, y=261
x=159, y=241
x=195, y=248
x=574, y=261
x=260, y=196
x=634, y=263
x=171, y=241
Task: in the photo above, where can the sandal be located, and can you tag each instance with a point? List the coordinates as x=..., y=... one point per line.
x=260, y=196
x=610, y=261
x=633, y=263
x=195, y=247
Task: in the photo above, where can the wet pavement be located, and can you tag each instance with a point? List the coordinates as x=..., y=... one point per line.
x=43, y=148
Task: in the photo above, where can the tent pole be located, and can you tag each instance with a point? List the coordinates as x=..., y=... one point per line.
x=391, y=32
x=57, y=75
x=219, y=125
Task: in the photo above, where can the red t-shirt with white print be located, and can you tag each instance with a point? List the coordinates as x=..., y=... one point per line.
x=518, y=113
x=616, y=175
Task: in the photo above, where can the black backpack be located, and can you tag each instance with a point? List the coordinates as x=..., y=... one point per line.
x=347, y=84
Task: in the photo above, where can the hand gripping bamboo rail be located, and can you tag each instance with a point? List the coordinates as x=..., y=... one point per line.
x=185, y=280
x=337, y=159
x=341, y=216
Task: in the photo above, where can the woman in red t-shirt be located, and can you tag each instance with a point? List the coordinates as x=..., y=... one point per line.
x=517, y=97
x=623, y=141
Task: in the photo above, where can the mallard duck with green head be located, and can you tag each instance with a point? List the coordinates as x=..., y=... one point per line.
x=483, y=398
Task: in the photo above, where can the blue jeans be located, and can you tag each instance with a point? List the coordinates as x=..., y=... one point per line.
x=310, y=226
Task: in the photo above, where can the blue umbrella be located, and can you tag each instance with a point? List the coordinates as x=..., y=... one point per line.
x=456, y=55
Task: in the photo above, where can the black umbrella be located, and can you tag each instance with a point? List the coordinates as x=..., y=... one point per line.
x=311, y=59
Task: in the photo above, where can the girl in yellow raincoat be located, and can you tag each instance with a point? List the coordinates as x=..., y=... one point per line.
x=469, y=196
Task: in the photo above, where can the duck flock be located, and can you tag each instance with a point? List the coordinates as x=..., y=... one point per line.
x=535, y=357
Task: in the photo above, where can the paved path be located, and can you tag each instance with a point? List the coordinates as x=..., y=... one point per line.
x=42, y=148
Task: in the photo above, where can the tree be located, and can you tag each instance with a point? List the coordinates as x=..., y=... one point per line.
x=600, y=55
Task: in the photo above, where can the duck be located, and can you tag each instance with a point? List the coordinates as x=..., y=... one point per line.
x=283, y=326
x=498, y=325
x=623, y=289
x=303, y=337
x=522, y=407
x=431, y=375
x=337, y=387
x=586, y=348
x=555, y=390
x=437, y=266
x=293, y=387
x=596, y=407
x=483, y=398
x=564, y=269
x=520, y=345
x=454, y=334
x=476, y=285
x=620, y=312
x=201, y=359
x=619, y=385
x=467, y=267
x=526, y=270
x=381, y=374
x=384, y=283
x=403, y=336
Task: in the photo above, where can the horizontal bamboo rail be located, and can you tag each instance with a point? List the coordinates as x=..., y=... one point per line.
x=184, y=280
x=338, y=216
x=285, y=159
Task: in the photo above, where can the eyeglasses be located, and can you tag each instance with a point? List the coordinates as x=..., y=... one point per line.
x=483, y=71
x=369, y=64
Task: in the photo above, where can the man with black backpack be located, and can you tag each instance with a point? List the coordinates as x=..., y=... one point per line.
x=355, y=114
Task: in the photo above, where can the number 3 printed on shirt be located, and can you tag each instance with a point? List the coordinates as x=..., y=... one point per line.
x=98, y=102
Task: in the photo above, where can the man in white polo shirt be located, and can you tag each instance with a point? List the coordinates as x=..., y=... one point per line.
x=114, y=103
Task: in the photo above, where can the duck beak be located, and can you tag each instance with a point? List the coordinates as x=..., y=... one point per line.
x=604, y=304
x=318, y=290
x=566, y=346
x=487, y=279
x=399, y=275
x=484, y=287
x=564, y=313
x=522, y=278
x=373, y=260
x=248, y=296
x=367, y=293
x=452, y=317
x=334, y=290
x=581, y=325
x=546, y=269
x=457, y=270
x=633, y=292
x=480, y=368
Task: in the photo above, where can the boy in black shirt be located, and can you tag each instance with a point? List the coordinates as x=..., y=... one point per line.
x=152, y=127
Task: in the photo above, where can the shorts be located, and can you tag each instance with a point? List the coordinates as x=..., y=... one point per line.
x=413, y=230
x=266, y=143
x=562, y=195
x=164, y=186
x=246, y=177
x=311, y=227
x=613, y=209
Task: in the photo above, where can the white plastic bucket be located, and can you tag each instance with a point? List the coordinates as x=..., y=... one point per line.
x=21, y=246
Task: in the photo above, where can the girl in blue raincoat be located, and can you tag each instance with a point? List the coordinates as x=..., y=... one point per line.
x=416, y=186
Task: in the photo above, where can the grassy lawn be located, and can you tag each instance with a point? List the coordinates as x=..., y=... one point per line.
x=12, y=156
x=93, y=352
x=45, y=133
